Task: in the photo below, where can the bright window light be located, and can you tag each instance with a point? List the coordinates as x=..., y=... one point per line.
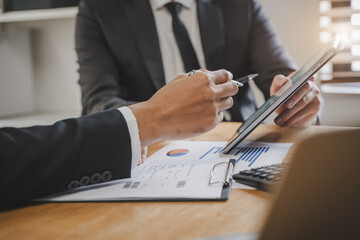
x=325, y=36
x=325, y=21
x=326, y=77
x=355, y=35
x=325, y=6
x=345, y=37
x=327, y=69
x=355, y=4
x=355, y=50
x=355, y=65
x=355, y=19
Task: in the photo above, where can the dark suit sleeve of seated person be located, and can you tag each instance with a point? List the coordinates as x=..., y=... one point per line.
x=268, y=56
x=42, y=160
x=104, y=83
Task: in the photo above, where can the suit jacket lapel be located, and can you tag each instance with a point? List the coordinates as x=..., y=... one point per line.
x=142, y=21
x=212, y=32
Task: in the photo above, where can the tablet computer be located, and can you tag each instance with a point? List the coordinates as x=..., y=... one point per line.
x=286, y=91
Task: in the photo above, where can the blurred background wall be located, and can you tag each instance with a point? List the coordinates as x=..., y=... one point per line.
x=54, y=66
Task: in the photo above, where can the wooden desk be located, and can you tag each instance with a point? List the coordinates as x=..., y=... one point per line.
x=243, y=212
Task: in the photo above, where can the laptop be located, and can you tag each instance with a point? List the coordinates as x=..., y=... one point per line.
x=320, y=195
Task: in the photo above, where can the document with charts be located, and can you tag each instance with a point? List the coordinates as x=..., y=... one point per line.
x=247, y=154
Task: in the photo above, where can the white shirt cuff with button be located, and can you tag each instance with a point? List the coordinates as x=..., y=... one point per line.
x=134, y=135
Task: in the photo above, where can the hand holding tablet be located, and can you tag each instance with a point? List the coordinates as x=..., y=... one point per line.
x=302, y=108
x=287, y=91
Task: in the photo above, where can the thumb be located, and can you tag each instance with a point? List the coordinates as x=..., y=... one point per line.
x=277, y=83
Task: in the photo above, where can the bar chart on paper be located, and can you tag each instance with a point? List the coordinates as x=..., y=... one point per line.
x=247, y=154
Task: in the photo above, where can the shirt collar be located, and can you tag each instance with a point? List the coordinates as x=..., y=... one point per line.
x=157, y=4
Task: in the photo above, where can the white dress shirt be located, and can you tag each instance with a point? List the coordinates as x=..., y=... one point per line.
x=134, y=135
x=170, y=53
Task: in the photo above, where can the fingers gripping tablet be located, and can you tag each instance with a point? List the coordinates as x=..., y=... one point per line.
x=286, y=91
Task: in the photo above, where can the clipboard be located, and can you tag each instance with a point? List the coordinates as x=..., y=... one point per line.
x=102, y=192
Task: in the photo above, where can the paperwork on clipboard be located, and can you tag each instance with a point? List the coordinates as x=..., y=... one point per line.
x=247, y=154
x=161, y=180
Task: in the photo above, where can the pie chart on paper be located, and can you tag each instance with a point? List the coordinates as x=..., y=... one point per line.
x=177, y=152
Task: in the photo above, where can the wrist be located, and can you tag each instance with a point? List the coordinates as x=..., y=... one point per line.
x=148, y=124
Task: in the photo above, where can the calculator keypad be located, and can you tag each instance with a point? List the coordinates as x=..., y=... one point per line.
x=262, y=177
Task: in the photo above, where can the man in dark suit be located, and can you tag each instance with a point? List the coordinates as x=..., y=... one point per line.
x=41, y=160
x=129, y=49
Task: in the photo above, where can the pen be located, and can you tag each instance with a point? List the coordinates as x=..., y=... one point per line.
x=240, y=82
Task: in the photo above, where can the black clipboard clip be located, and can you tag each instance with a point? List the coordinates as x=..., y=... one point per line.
x=229, y=172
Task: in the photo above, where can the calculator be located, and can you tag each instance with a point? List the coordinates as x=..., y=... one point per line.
x=263, y=178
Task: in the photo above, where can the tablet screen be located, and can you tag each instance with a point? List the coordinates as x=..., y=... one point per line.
x=286, y=91
x=265, y=106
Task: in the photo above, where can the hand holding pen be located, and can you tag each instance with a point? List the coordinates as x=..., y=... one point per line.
x=239, y=82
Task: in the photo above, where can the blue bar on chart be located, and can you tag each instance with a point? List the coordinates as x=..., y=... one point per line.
x=219, y=150
x=250, y=154
x=236, y=150
x=207, y=153
x=213, y=150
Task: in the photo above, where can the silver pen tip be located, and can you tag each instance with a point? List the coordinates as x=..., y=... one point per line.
x=238, y=84
x=252, y=76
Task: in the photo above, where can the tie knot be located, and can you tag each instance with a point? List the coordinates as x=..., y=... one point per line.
x=174, y=8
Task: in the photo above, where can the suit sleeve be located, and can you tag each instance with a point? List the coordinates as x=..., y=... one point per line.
x=42, y=160
x=99, y=74
x=267, y=55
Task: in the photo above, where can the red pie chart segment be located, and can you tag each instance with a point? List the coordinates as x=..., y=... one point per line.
x=177, y=152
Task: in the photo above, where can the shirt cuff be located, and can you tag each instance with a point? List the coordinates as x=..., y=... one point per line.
x=134, y=135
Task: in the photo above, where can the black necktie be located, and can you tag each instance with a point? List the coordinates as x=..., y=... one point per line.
x=187, y=51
